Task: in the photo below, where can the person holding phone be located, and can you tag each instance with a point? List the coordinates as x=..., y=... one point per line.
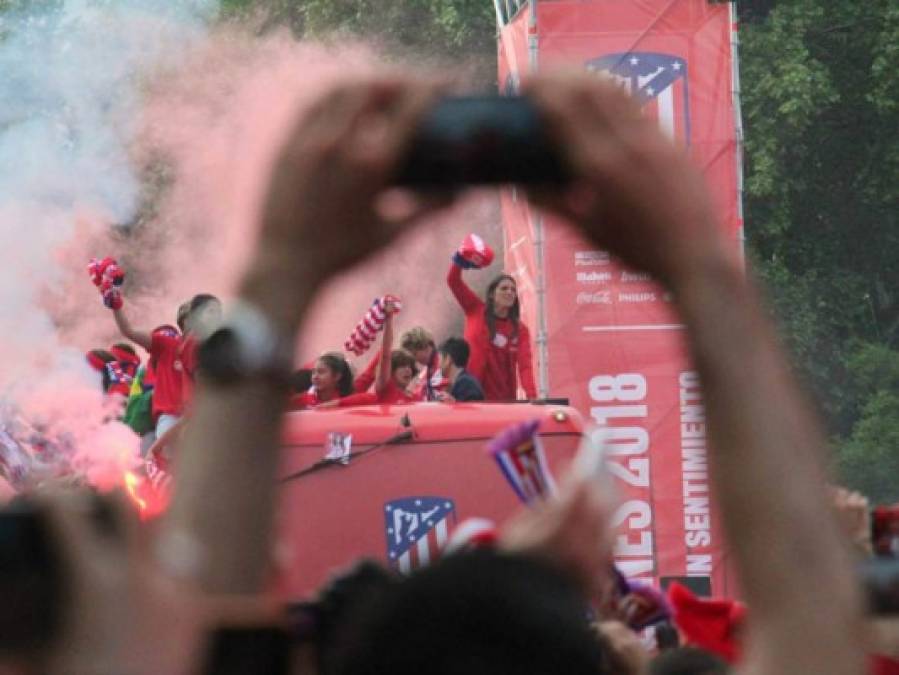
x=633, y=193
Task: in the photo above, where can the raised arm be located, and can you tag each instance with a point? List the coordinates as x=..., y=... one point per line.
x=640, y=198
x=383, y=377
x=319, y=218
x=766, y=436
x=141, y=337
x=367, y=377
x=467, y=298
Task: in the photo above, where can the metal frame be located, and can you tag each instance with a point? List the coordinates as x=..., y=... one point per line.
x=542, y=338
x=512, y=8
x=738, y=118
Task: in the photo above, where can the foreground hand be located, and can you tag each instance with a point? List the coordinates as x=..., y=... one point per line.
x=571, y=532
x=853, y=512
x=121, y=613
x=329, y=204
x=634, y=192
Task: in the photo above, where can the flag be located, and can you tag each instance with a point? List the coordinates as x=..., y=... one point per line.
x=417, y=528
x=519, y=454
x=659, y=83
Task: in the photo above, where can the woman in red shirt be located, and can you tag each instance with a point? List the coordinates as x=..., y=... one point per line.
x=331, y=380
x=500, y=343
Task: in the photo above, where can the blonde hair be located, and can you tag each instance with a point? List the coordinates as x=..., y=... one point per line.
x=416, y=339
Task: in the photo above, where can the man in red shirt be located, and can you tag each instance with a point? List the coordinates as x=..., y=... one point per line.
x=173, y=355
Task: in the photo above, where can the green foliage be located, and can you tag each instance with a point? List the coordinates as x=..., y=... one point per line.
x=822, y=180
x=449, y=27
x=869, y=460
x=443, y=28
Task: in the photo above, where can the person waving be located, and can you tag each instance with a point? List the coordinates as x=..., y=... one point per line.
x=500, y=342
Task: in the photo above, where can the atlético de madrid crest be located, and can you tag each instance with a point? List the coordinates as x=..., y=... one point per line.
x=658, y=81
x=417, y=529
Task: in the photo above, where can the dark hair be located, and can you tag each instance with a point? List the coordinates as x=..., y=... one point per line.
x=688, y=661
x=490, y=312
x=667, y=636
x=473, y=614
x=336, y=608
x=301, y=380
x=400, y=358
x=339, y=366
x=201, y=300
x=457, y=349
x=183, y=311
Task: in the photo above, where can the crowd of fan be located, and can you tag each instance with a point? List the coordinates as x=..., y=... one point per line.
x=193, y=595
x=492, y=362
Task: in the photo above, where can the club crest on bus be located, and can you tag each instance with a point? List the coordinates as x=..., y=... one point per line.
x=658, y=81
x=417, y=529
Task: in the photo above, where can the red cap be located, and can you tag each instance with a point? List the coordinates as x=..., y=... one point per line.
x=96, y=361
x=712, y=625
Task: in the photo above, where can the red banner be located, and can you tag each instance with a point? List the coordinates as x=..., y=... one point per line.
x=615, y=345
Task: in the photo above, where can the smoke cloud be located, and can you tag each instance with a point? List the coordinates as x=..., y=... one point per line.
x=140, y=129
x=70, y=80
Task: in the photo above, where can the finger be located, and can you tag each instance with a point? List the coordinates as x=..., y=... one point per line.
x=322, y=127
x=398, y=206
x=385, y=131
x=574, y=202
x=592, y=119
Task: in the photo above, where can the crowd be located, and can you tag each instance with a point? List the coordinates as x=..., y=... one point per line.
x=491, y=363
x=192, y=595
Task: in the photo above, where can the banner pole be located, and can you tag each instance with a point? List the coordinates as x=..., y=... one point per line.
x=499, y=16
x=542, y=338
x=738, y=119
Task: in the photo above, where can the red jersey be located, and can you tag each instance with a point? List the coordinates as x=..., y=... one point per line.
x=308, y=399
x=391, y=394
x=367, y=377
x=187, y=353
x=361, y=398
x=498, y=364
x=168, y=391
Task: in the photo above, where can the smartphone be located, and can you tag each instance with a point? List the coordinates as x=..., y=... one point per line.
x=31, y=583
x=481, y=140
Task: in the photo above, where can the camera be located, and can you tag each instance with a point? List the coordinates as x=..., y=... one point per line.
x=481, y=141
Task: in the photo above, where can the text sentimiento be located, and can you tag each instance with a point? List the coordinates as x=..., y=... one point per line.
x=695, y=477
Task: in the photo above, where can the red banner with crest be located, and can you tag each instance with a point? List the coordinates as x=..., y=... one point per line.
x=614, y=343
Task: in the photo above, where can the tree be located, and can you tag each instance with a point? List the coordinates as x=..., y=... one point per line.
x=822, y=181
x=458, y=30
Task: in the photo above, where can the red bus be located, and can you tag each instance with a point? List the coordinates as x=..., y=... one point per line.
x=414, y=471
